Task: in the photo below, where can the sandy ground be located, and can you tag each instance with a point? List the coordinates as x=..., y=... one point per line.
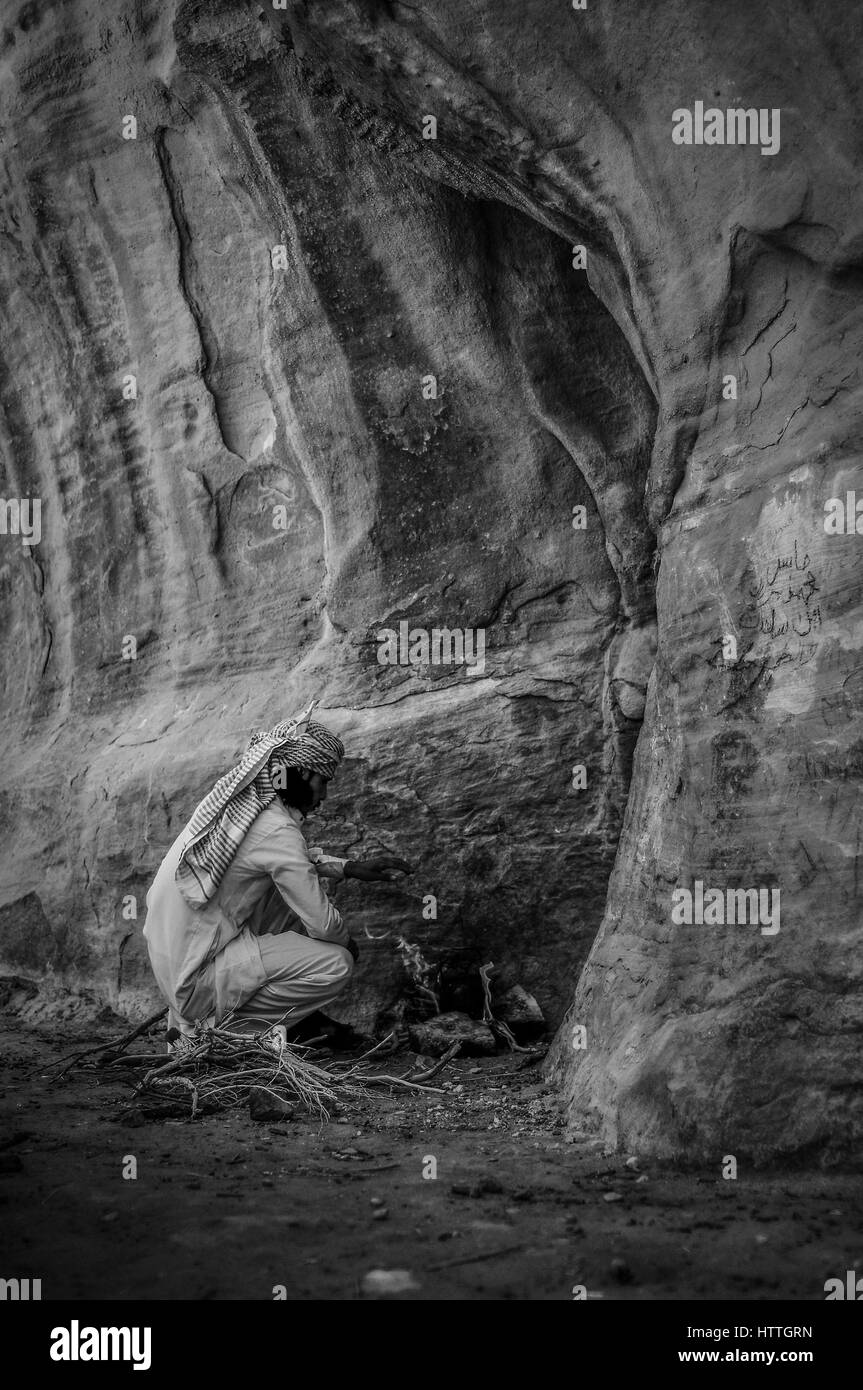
x=224, y=1207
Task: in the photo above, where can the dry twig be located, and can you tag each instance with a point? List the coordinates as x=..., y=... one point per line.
x=438, y=1067
x=488, y=1016
x=118, y=1046
x=402, y=1081
x=471, y=1259
x=214, y=1068
x=219, y=1068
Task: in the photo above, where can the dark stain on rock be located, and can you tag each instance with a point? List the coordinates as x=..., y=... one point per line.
x=733, y=765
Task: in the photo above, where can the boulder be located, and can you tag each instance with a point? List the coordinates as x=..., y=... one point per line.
x=437, y=1034
x=520, y=1012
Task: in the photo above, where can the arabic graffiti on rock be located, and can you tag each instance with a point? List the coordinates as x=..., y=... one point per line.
x=784, y=607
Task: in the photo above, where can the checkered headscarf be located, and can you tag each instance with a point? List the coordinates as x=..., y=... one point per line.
x=224, y=817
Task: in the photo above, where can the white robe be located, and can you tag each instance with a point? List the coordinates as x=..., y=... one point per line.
x=213, y=961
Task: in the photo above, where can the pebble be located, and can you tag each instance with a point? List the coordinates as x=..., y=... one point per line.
x=263, y=1106
x=380, y=1214
x=376, y=1201
x=611, y=1197
x=387, y=1281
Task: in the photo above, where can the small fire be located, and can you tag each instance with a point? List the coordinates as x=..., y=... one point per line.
x=422, y=975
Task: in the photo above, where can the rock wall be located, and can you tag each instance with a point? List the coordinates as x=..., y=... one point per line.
x=283, y=261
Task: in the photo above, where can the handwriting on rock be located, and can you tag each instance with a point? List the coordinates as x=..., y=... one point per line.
x=785, y=608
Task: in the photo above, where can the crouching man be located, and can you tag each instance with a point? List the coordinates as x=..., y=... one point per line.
x=239, y=929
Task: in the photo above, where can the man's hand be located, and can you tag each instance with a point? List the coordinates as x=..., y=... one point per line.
x=384, y=870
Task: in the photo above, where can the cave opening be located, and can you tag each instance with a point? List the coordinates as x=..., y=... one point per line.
x=570, y=609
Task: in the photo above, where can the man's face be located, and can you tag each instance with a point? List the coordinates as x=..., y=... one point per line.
x=317, y=790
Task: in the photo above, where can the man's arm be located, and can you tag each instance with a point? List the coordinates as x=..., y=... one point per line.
x=383, y=870
x=286, y=859
x=327, y=865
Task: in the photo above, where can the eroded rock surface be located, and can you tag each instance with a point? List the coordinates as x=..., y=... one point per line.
x=297, y=393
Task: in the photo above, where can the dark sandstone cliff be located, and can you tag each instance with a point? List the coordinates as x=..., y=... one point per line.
x=301, y=387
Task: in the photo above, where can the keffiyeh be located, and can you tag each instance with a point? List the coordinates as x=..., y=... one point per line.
x=225, y=816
